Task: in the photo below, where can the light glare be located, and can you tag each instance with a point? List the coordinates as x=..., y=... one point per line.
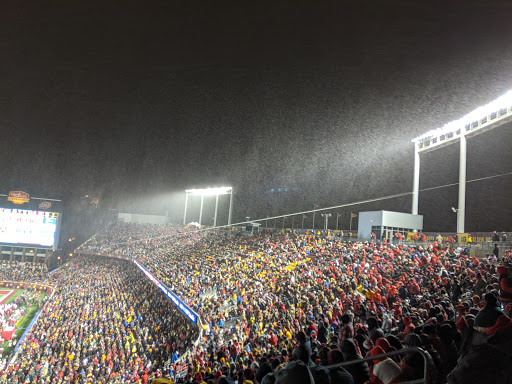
x=501, y=102
x=210, y=191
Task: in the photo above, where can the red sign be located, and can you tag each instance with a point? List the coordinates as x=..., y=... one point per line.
x=18, y=197
x=45, y=205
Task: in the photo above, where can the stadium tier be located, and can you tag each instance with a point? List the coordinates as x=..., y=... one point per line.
x=285, y=308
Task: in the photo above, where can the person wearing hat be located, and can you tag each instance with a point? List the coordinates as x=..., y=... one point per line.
x=487, y=317
x=295, y=372
x=505, y=285
x=303, y=352
x=486, y=350
x=409, y=326
x=384, y=370
x=360, y=372
x=413, y=362
x=480, y=284
x=347, y=329
x=225, y=380
x=338, y=374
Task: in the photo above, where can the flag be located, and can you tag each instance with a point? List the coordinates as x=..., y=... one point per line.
x=352, y=215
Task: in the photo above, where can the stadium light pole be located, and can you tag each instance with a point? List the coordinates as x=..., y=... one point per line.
x=326, y=219
x=216, y=209
x=230, y=205
x=201, y=209
x=482, y=119
x=185, y=214
x=209, y=192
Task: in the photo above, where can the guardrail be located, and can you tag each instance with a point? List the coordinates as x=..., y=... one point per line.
x=423, y=380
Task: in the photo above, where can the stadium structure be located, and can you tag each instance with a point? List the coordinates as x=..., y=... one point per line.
x=29, y=228
x=29, y=233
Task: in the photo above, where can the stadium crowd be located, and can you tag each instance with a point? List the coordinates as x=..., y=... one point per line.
x=19, y=273
x=275, y=308
x=106, y=323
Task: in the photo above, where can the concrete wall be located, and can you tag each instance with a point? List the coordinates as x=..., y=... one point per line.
x=387, y=219
x=402, y=220
x=366, y=221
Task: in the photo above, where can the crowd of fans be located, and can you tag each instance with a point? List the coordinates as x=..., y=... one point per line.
x=105, y=323
x=278, y=308
x=20, y=273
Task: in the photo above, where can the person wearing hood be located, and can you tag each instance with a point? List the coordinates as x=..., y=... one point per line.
x=375, y=330
x=303, y=351
x=413, y=363
x=360, y=372
x=384, y=370
x=486, y=351
x=295, y=372
x=480, y=285
x=505, y=285
x=339, y=375
x=347, y=329
x=322, y=333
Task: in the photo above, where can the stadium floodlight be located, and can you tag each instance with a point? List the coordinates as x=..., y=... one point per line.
x=209, y=192
x=480, y=120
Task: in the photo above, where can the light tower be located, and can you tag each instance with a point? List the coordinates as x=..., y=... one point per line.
x=209, y=192
x=482, y=119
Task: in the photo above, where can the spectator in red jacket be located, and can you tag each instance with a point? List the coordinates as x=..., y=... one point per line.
x=505, y=285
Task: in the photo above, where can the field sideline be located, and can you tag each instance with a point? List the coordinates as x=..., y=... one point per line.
x=6, y=294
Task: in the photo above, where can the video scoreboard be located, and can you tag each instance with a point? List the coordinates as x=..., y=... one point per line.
x=29, y=227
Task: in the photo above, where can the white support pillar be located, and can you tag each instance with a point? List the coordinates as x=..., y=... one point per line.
x=230, y=206
x=462, y=182
x=416, y=180
x=216, y=206
x=185, y=214
x=201, y=210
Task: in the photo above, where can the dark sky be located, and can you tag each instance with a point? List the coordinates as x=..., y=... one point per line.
x=134, y=101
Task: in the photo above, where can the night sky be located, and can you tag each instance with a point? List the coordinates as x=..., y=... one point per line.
x=134, y=101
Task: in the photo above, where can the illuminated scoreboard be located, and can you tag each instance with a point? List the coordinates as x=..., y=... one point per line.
x=29, y=227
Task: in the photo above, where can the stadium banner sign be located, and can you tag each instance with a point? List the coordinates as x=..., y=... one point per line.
x=463, y=238
x=181, y=306
x=18, y=197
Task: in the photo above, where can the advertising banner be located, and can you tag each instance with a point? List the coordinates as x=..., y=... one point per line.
x=181, y=306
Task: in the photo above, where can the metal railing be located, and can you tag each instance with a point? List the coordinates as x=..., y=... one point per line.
x=423, y=380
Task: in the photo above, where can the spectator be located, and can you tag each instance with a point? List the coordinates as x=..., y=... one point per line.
x=360, y=372
x=338, y=374
x=486, y=348
x=262, y=299
x=496, y=251
x=505, y=283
